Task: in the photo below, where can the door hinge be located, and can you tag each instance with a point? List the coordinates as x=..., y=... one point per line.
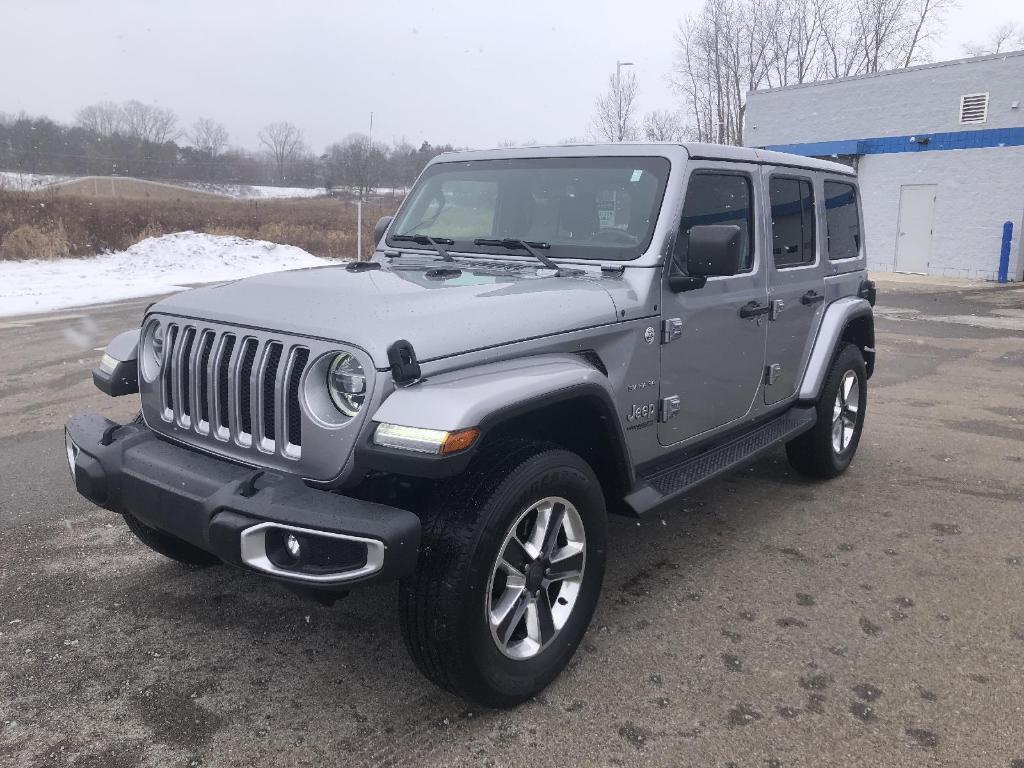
x=668, y=407
x=671, y=329
x=777, y=306
x=772, y=373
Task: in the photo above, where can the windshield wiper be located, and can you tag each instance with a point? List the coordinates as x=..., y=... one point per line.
x=514, y=244
x=438, y=243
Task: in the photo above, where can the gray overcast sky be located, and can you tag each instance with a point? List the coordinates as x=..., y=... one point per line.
x=469, y=72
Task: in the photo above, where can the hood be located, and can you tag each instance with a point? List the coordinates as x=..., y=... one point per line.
x=442, y=309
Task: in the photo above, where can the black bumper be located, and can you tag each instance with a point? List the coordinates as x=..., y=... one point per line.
x=233, y=511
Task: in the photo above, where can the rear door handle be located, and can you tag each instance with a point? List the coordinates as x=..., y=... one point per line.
x=811, y=297
x=753, y=309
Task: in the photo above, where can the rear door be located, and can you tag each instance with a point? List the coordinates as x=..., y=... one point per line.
x=795, y=278
x=714, y=361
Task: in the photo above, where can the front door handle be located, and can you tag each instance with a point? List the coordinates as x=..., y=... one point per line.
x=811, y=297
x=753, y=309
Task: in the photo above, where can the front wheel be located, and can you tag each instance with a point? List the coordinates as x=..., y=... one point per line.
x=827, y=450
x=509, y=574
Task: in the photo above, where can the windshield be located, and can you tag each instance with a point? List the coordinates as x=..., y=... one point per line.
x=582, y=207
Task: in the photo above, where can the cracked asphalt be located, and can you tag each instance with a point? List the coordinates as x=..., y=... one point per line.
x=770, y=621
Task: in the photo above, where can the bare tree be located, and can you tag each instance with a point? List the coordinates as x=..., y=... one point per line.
x=356, y=162
x=284, y=142
x=1002, y=37
x=613, y=119
x=104, y=118
x=732, y=47
x=209, y=136
x=839, y=54
x=149, y=123
x=662, y=125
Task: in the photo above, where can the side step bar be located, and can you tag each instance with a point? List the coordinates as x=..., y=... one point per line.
x=670, y=484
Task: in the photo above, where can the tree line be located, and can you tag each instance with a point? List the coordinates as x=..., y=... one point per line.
x=146, y=141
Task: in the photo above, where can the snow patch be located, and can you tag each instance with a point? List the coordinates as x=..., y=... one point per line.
x=252, y=192
x=30, y=182
x=154, y=266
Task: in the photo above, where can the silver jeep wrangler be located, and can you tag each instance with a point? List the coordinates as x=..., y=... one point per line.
x=543, y=337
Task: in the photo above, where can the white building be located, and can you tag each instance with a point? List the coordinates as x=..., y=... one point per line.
x=939, y=149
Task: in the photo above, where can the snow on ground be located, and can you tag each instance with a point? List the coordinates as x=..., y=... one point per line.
x=248, y=192
x=27, y=182
x=154, y=266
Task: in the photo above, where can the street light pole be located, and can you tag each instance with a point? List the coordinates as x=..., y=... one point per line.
x=618, y=72
x=618, y=94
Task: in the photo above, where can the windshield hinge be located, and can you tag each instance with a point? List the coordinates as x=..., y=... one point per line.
x=671, y=329
x=668, y=408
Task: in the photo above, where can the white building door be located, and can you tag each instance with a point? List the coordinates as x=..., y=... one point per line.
x=914, y=236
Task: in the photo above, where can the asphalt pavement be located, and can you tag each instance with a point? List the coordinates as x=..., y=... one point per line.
x=874, y=620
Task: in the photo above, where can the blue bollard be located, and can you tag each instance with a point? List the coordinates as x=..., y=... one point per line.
x=1004, y=253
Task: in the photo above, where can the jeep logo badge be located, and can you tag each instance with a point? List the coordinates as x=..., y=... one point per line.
x=649, y=335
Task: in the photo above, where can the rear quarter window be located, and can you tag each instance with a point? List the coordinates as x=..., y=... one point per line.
x=843, y=220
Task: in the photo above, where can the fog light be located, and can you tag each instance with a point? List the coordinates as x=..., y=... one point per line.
x=292, y=545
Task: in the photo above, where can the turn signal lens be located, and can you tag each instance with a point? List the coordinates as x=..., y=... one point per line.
x=459, y=441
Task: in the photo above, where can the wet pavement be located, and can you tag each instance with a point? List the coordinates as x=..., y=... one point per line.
x=770, y=621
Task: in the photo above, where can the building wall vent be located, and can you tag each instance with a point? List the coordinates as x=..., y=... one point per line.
x=974, y=108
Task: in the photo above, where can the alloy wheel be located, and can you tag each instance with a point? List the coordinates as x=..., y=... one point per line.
x=844, y=412
x=536, y=578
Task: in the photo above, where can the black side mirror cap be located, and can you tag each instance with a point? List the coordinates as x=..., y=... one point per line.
x=380, y=228
x=680, y=283
x=714, y=250
x=118, y=371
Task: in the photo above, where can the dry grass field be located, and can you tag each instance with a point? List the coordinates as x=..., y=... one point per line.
x=45, y=225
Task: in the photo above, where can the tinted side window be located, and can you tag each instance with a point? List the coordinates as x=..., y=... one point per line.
x=718, y=198
x=842, y=219
x=792, y=202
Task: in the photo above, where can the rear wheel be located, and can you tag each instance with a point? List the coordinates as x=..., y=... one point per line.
x=827, y=450
x=509, y=574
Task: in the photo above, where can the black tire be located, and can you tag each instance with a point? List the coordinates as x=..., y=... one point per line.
x=814, y=453
x=444, y=604
x=169, y=546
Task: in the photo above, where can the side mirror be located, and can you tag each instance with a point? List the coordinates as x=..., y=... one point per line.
x=380, y=228
x=712, y=250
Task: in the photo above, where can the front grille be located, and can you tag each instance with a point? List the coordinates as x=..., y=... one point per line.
x=250, y=387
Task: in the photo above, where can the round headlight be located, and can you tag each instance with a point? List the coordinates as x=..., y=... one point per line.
x=346, y=382
x=151, y=356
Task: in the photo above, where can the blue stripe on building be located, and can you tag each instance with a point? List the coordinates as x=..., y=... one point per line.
x=920, y=142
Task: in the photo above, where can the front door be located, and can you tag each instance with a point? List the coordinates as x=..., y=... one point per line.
x=795, y=281
x=715, y=363
x=914, y=236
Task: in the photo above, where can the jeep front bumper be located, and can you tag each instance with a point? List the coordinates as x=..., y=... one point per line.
x=248, y=517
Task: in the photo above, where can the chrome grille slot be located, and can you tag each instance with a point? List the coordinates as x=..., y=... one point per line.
x=222, y=367
x=243, y=407
x=167, y=372
x=184, y=376
x=269, y=392
x=202, y=374
x=292, y=417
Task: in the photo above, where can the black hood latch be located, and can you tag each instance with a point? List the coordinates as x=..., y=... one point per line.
x=404, y=367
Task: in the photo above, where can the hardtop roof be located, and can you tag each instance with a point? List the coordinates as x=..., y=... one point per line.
x=681, y=151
